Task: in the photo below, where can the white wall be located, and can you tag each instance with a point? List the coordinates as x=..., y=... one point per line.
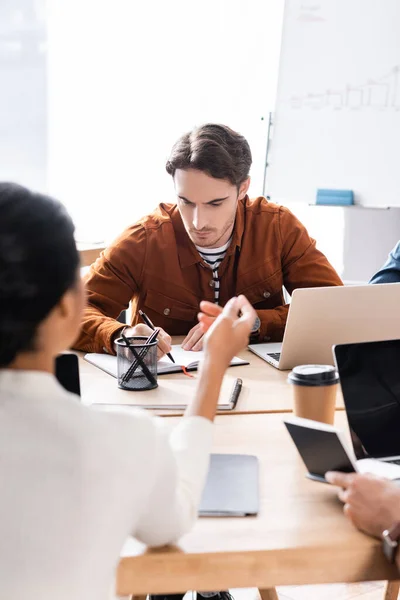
x=126, y=79
x=369, y=235
x=355, y=240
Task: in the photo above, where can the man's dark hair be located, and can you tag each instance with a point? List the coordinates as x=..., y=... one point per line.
x=215, y=149
x=38, y=264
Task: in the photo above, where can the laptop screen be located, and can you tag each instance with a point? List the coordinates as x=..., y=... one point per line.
x=370, y=380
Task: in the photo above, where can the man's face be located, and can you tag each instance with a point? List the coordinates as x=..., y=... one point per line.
x=207, y=206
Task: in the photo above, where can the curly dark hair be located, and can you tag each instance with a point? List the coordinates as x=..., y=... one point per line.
x=38, y=264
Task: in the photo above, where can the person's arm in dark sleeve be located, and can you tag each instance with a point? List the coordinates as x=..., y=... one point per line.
x=390, y=272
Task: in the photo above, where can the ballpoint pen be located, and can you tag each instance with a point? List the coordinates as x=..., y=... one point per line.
x=150, y=324
x=237, y=388
x=233, y=398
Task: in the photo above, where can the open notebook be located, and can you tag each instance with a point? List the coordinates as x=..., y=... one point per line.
x=188, y=359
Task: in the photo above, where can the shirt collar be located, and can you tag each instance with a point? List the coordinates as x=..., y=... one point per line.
x=187, y=253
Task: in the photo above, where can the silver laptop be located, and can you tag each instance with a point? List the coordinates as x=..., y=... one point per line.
x=370, y=382
x=232, y=488
x=322, y=317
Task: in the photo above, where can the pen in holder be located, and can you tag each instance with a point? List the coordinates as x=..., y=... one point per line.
x=137, y=362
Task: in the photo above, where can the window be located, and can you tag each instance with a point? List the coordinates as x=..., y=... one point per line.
x=23, y=107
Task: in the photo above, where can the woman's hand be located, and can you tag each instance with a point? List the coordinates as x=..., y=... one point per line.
x=226, y=332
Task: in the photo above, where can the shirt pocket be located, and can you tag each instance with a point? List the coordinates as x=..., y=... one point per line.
x=265, y=293
x=169, y=308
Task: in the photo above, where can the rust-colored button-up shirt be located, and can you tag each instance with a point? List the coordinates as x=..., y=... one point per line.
x=156, y=266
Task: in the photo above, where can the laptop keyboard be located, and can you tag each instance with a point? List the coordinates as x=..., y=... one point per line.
x=274, y=355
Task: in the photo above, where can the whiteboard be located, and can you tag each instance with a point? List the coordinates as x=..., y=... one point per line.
x=337, y=120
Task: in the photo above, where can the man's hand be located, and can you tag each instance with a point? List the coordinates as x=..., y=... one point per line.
x=228, y=333
x=164, y=340
x=372, y=504
x=194, y=339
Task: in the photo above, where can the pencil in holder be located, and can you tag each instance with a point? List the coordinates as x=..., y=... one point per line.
x=136, y=364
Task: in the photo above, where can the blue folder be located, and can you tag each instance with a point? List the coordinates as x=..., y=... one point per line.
x=335, y=197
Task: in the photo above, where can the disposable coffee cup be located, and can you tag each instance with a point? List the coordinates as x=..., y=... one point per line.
x=314, y=392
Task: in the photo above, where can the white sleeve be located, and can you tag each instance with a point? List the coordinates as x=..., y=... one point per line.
x=180, y=471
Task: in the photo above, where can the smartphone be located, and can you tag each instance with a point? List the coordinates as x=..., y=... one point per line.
x=67, y=372
x=321, y=447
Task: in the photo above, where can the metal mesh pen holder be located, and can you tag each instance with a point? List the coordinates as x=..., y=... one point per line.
x=137, y=364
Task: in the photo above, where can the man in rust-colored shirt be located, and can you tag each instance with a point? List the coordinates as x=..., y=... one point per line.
x=214, y=243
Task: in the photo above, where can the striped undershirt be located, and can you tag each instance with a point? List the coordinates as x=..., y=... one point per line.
x=213, y=257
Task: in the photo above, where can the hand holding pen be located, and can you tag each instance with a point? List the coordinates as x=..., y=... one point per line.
x=164, y=340
x=150, y=324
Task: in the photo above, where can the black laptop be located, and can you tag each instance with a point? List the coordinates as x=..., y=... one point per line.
x=370, y=380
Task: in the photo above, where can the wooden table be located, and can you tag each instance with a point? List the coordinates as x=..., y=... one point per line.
x=89, y=252
x=299, y=537
x=265, y=389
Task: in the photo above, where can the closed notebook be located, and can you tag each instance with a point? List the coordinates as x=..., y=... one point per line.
x=175, y=397
x=232, y=487
x=183, y=358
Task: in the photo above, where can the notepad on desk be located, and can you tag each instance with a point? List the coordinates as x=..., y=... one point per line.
x=183, y=358
x=174, y=395
x=232, y=487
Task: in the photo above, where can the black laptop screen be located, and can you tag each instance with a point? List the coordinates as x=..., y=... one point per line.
x=370, y=379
